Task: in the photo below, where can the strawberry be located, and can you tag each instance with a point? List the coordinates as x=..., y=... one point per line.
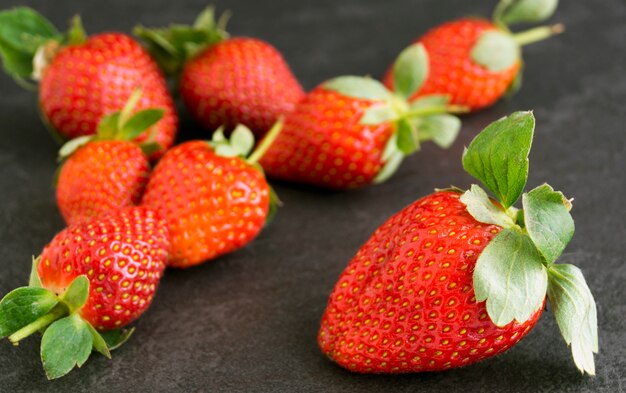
x=81, y=79
x=213, y=200
x=225, y=81
x=476, y=61
x=106, y=171
x=100, y=274
x=457, y=277
x=351, y=131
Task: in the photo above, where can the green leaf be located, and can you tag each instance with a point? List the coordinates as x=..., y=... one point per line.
x=34, y=281
x=76, y=293
x=98, y=341
x=548, y=221
x=23, y=306
x=407, y=136
x=575, y=312
x=65, y=344
x=108, y=126
x=498, y=156
x=430, y=101
x=72, y=145
x=496, y=50
x=140, y=122
x=529, y=11
x=441, y=129
x=511, y=277
x=410, y=70
x=116, y=338
x=391, y=166
x=483, y=209
x=22, y=32
x=359, y=87
x=377, y=114
x=242, y=139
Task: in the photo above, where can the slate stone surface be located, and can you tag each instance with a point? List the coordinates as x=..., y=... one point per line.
x=248, y=321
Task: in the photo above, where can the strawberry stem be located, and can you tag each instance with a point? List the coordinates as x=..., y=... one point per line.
x=435, y=110
x=266, y=142
x=38, y=324
x=538, y=34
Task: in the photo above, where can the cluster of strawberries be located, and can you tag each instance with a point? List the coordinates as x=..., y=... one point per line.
x=412, y=298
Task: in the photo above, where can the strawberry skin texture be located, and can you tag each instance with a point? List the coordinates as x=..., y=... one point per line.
x=452, y=70
x=323, y=143
x=101, y=177
x=406, y=303
x=213, y=205
x=239, y=80
x=123, y=256
x=87, y=81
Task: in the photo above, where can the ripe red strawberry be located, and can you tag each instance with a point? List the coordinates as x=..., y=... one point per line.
x=413, y=297
x=476, y=61
x=106, y=171
x=101, y=274
x=213, y=200
x=225, y=81
x=84, y=78
x=350, y=131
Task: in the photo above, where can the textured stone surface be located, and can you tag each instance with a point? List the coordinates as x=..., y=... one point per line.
x=248, y=321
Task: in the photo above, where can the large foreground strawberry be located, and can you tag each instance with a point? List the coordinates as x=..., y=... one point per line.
x=107, y=171
x=476, y=61
x=458, y=277
x=352, y=131
x=91, y=279
x=82, y=78
x=213, y=199
x=225, y=81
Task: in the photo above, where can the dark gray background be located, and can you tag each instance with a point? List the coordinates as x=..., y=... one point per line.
x=248, y=321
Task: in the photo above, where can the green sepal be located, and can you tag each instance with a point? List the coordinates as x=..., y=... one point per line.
x=76, y=293
x=76, y=34
x=442, y=129
x=517, y=82
x=23, y=306
x=116, y=338
x=150, y=148
x=548, y=221
x=140, y=122
x=575, y=312
x=483, y=209
x=378, y=114
x=71, y=146
x=274, y=204
x=65, y=344
x=511, y=277
x=496, y=50
x=410, y=70
x=406, y=134
x=430, y=101
x=171, y=47
x=364, y=88
x=498, y=156
x=33, y=280
x=99, y=344
x=527, y=11
x=239, y=144
x=22, y=32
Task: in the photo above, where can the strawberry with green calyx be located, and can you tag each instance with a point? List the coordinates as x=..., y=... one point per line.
x=476, y=61
x=81, y=78
x=90, y=281
x=352, y=131
x=106, y=171
x=225, y=81
x=458, y=277
x=214, y=199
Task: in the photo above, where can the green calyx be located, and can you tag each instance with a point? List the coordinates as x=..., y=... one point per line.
x=418, y=120
x=67, y=338
x=518, y=268
x=241, y=144
x=174, y=45
x=123, y=125
x=29, y=42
